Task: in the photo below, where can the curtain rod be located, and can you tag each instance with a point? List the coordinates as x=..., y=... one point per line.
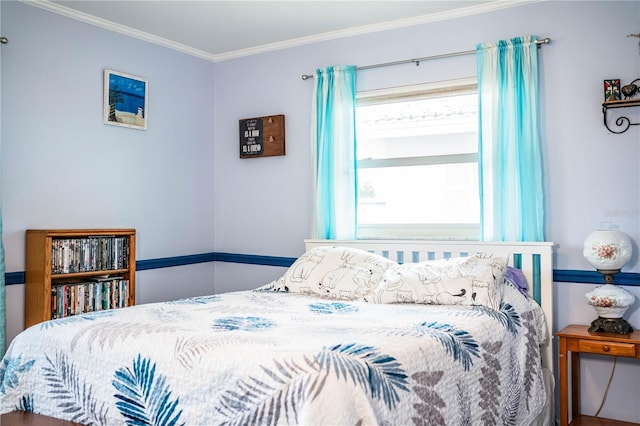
x=417, y=61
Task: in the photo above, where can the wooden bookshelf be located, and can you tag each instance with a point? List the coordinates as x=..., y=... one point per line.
x=45, y=272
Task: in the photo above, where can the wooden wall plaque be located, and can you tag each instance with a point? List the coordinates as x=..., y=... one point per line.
x=262, y=136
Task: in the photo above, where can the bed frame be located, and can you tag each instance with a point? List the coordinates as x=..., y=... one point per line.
x=535, y=259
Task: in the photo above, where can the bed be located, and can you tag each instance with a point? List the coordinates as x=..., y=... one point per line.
x=354, y=332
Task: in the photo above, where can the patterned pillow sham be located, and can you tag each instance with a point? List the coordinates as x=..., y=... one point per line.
x=474, y=280
x=336, y=272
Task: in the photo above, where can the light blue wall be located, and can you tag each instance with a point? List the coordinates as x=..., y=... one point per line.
x=63, y=168
x=182, y=185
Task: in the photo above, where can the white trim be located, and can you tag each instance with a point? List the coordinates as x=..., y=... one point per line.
x=399, y=23
x=121, y=29
x=420, y=231
x=460, y=85
x=426, y=160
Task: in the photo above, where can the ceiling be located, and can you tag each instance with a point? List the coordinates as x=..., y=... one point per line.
x=217, y=30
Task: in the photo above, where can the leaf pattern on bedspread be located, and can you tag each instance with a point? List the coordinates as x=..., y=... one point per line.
x=89, y=316
x=113, y=333
x=257, y=401
x=291, y=384
x=198, y=300
x=189, y=351
x=464, y=404
x=144, y=398
x=490, y=386
x=10, y=370
x=507, y=316
x=169, y=316
x=265, y=300
x=25, y=404
x=332, y=308
x=532, y=354
x=242, y=323
x=458, y=343
x=74, y=396
x=428, y=411
x=512, y=393
x=364, y=364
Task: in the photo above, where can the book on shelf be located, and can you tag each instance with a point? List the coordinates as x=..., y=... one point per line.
x=86, y=254
x=92, y=294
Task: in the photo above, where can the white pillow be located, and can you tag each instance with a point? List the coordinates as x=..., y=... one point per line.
x=336, y=272
x=474, y=280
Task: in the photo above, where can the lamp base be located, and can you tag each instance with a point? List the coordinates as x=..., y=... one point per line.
x=610, y=325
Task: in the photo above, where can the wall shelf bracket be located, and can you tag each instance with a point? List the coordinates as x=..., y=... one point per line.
x=622, y=123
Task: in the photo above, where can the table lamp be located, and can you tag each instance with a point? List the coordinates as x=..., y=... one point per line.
x=608, y=251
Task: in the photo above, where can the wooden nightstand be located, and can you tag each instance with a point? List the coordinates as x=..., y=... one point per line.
x=576, y=339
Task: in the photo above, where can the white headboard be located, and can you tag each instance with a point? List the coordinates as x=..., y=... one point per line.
x=533, y=258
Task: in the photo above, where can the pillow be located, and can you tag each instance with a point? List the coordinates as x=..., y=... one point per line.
x=517, y=279
x=336, y=272
x=474, y=280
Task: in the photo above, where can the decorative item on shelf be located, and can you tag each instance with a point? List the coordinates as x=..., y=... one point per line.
x=612, y=90
x=612, y=100
x=630, y=89
x=608, y=251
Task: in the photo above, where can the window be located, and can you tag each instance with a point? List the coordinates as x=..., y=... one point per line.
x=417, y=151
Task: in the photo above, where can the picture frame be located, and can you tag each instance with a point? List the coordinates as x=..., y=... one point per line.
x=125, y=100
x=262, y=136
x=612, y=90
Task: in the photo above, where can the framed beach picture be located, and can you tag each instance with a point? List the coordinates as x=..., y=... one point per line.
x=125, y=100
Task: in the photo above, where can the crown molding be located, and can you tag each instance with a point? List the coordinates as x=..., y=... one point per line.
x=384, y=26
x=118, y=28
x=395, y=24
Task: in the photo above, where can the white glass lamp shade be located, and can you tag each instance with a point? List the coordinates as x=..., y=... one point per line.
x=610, y=301
x=607, y=250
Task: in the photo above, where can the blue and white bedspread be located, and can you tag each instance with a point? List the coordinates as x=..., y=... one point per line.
x=258, y=357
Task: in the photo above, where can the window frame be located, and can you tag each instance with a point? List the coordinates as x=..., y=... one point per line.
x=433, y=231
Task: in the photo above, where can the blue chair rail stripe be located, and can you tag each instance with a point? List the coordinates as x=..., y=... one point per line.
x=559, y=275
x=167, y=262
x=13, y=278
x=254, y=259
x=593, y=277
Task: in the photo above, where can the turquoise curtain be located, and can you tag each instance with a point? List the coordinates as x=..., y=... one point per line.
x=334, y=153
x=509, y=159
